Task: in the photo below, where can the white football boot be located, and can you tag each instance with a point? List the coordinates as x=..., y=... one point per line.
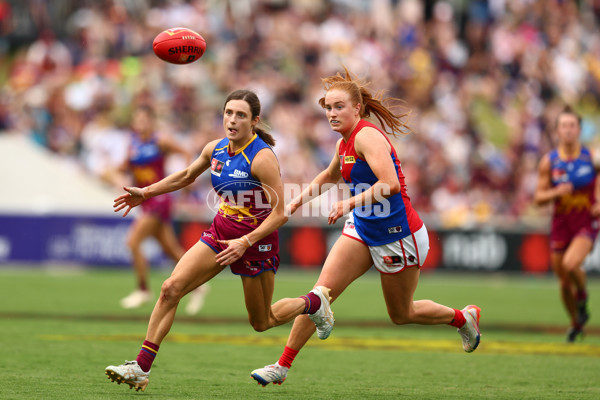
x=136, y=299
x=130, y=373
x=196, y=301
x=273, y=373
x=469, y=332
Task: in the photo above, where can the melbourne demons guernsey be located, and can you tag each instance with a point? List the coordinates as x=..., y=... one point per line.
x=146, y=160
x=381, y=222
x=580, y=172
x=243, y=203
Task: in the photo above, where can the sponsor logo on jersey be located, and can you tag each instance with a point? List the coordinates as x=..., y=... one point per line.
x=583, y=170
x=265, y=247
x=394, y=229
x=559, y=175
x=239, y=174
x=349, y=160
x=208, y=234
x=216, y=167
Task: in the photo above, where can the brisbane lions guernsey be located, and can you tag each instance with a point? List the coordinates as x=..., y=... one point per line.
x=581, y=173
x=146, y=160
x=243, y=203
x=381, y=222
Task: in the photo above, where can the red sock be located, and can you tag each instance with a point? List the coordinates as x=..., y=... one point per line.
x=147, y=355
x=287, y=358
x=312, y=303
x=458, y=320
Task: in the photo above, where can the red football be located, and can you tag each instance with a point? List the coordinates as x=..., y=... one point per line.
x=179, y=46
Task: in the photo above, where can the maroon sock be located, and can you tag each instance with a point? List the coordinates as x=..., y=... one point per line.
x=287, y=358
x=143, y=285
x=458, y=320
x=147, y=355
x=582, y=295
x=312, y=303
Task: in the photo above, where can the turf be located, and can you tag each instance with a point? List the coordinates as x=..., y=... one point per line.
x=60, y=328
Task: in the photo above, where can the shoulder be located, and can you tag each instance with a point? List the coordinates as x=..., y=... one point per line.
x=265, y=157
x=545, y=161
x=369, y=136
x=210, y=147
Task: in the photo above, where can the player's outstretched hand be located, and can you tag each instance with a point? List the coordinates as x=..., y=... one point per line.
x=235, y=249
x=133, y=197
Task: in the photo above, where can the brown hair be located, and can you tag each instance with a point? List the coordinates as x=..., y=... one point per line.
x=252, y=99
x=369, y=103
x=569, y=111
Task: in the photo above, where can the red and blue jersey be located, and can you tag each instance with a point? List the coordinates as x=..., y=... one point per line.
x=385, y=221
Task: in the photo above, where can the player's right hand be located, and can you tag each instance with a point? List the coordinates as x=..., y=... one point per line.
x=564, y=188
x=134, y=197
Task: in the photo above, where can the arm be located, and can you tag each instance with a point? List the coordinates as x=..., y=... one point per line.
x=375, y=149
x=320, y=184
x=545, y=192
x=135, y=196
x=595, y=209
x=265, y=168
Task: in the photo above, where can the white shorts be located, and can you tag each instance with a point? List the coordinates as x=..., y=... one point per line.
x=394, y=257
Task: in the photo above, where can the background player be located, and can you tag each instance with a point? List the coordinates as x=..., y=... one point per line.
x=382, y=230
x=146, y=163
x=568, y=179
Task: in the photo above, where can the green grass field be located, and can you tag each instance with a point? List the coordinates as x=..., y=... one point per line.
x=60, y=329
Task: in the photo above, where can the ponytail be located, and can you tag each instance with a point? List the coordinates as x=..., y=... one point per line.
x=265, y=136
x=382, y=108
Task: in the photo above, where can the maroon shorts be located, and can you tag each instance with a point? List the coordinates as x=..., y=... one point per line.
x=159, y=206
x=262, y=256
x=565, y=229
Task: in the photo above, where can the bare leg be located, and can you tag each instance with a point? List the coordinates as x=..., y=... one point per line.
x=141, y=228
x=567, y=290
x=168, y=241
x=398, y=291
x=573, y=259
x=196, y=267
x=258, y=293
x=348, y=260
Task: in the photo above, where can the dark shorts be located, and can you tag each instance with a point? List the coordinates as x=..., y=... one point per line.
x=262, y=256
x=159, y=206
x=564, y=230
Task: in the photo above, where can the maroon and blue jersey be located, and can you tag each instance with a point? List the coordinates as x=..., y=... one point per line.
x=146, y=161
x=572, y=215
x=147, y=164
x=381, y=222
x=580, y=172
x=243, y=202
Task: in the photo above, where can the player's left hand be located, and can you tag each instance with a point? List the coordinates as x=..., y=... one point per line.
x=235, y=249
x=338, y=210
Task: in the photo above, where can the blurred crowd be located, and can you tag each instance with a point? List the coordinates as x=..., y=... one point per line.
x=483, y=81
